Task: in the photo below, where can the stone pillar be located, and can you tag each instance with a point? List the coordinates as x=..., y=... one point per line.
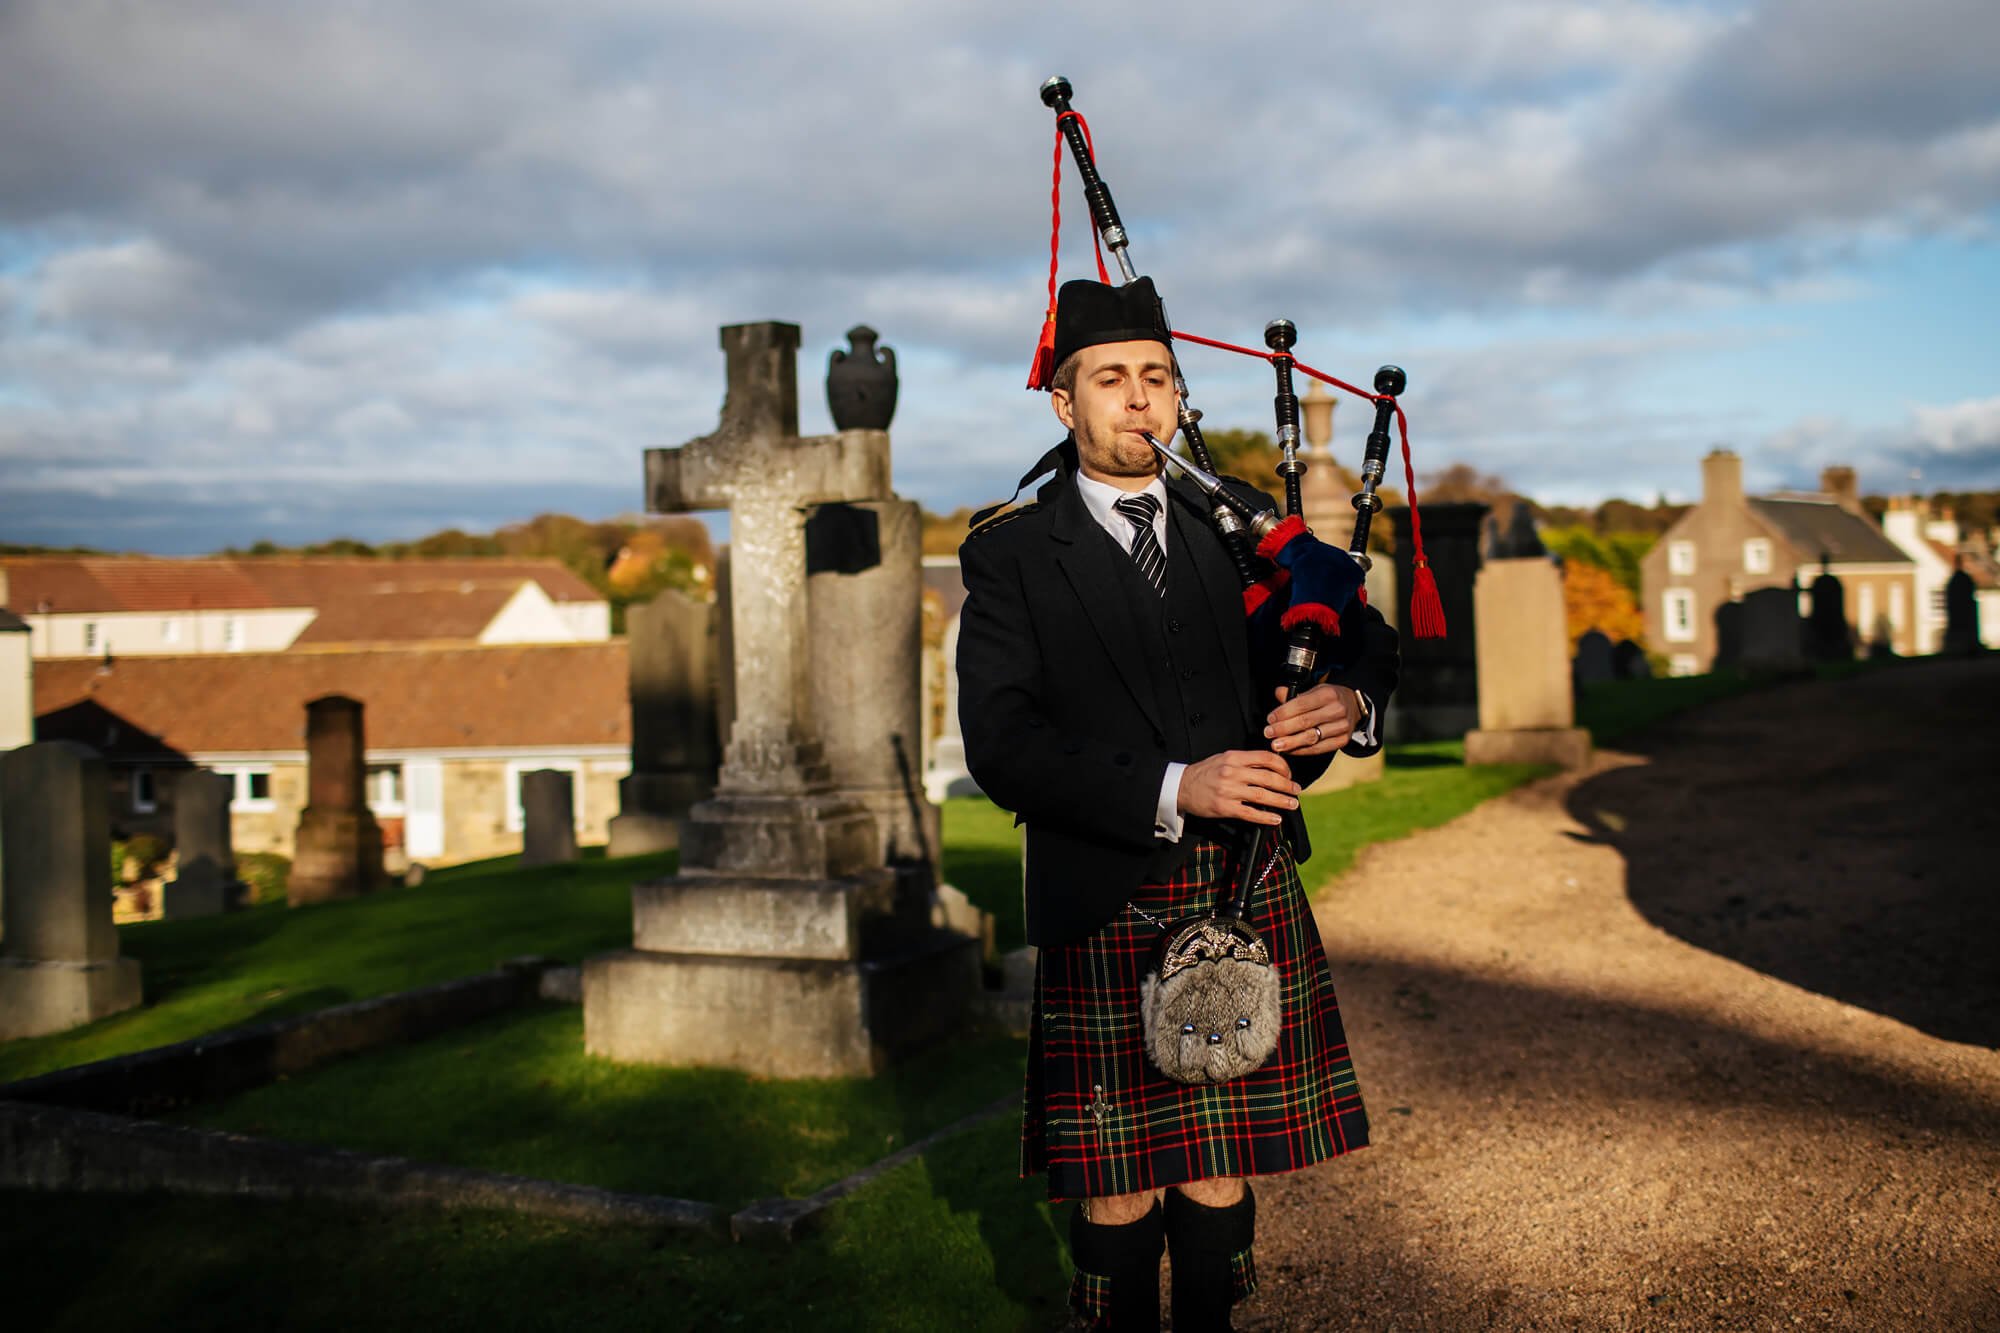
x=548, y=817
x=59, y=963
x=1437, y=697
x=781, y=947
x=338, y=849
x=866, y=628
x=671, y=643
x=1526, y=709
x=204, y=882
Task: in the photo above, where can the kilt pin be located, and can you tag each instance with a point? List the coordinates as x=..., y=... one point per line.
x=1099, y=1119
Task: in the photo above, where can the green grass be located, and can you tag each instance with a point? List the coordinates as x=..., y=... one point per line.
x=982, y=858
x=518, y=1094
x=271, y=961
x=951, y=1241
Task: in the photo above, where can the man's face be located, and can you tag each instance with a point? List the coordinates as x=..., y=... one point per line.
x=1121, y=389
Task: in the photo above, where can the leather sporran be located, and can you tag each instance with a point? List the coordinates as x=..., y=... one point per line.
x=1213, y=1008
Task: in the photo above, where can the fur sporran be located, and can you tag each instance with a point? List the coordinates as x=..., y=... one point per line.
x=1213, y=1008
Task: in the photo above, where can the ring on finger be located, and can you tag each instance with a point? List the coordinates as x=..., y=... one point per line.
x=1315, y=733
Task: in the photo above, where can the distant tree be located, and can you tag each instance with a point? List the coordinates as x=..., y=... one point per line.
x=341, y=546
x=1616, y=553
x=1594, y=600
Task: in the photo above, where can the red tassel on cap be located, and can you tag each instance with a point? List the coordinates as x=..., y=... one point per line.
x=1042, y=372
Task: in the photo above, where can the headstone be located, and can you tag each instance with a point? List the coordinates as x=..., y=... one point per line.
x=1437, y=693
x=672, y=649
x=1594, y=664
x=59, y=961
x=1520, y=541
x=1827, y=636
x=204, y=882
x=338, y=849
x=1771, y=634
x=1628, y=659
x=783, y=947
x=1527, y=711
x=548, y=817
x=1961, y=613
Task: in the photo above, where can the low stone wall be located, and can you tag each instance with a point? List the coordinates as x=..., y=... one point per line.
x=228, y=1063
x=58, y=1148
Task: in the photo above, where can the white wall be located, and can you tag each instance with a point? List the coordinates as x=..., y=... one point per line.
x=17, y=691
x=161, y=633
x=589, y=622
x=1905, y=528
x=528, y=617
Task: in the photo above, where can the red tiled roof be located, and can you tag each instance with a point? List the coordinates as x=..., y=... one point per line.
x=68, y=583
x=391, y=614
x=416, y=698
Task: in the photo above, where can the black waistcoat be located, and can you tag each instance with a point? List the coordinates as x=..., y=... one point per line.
x=1193, y=693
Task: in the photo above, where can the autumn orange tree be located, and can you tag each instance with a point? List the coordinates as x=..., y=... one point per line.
x=1594, y=599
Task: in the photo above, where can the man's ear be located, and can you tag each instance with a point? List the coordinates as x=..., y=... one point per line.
x=1065, y=409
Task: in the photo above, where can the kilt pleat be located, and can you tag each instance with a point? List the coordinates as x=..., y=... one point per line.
x=1100, y=1119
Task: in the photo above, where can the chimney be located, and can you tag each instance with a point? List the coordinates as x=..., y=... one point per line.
x=1839, y=483
x=1721, y=480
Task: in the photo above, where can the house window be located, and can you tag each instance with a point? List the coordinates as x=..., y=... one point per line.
x=170, y=631
x=252, y=790
x=385, y=788
x=1680, y=615
x=1757, y=556
x=144, y=797
x=1896, y=607
x=1680, y=557
x=1937, y=602
x=90, y=637
x=1683, y=664
x=232, y=635
x=1865, y=619
x=1805, y=605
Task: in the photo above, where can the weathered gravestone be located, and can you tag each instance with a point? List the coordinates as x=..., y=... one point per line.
x=672, y=647
x=1437, y=692
x=1593, y=665
x=1828, y=638
x=1771, y=635
x=548, y=817
x=338, y=849
x=1629, y=660
x=783, y=947
x=1527, y=710
x=1961, y=612
x=59, y=962
x=204, y=882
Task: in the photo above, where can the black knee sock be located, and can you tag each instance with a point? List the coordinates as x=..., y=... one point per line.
x=1117, y=1271
x=1209, y=1249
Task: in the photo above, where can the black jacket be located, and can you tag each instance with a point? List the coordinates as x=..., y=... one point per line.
x=1062, y=711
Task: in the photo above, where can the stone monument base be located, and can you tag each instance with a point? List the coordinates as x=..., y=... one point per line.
x=338, y=855
x=1566, y=747
x=37, y=998
x=199, y=895
x=810, y=837
x=747, y=916
x=778, y=1017
x=1346, y=771
x=642, y=832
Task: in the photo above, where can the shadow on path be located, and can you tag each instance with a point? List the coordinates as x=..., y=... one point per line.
x=1835, y=836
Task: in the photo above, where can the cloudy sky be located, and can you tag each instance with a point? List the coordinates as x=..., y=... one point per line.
x=373, y=268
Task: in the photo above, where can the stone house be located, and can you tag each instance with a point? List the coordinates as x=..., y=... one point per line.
x=449, y=732
x=131, y=606
x=1729, y=544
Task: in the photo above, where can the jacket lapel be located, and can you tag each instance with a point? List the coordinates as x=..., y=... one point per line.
x=1220, y=583
x=1085, y=554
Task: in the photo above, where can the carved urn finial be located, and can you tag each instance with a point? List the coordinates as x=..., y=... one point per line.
x=861, y=382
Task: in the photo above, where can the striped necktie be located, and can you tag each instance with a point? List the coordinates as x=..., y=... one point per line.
x=1146, y=552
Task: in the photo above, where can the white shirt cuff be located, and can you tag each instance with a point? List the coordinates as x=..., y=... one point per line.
x=1167, y=813
x=1364, y=735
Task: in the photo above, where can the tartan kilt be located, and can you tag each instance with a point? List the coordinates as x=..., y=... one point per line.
x=1149, y=1131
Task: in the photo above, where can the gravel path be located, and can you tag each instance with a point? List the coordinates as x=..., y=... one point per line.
x=1703, y=1037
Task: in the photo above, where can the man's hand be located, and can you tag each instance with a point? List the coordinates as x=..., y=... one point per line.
x=1250, y=785
x=1320, y=721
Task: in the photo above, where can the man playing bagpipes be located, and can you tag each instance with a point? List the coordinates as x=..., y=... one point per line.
x=1111, y=696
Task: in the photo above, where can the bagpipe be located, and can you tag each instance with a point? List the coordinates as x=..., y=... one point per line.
x=1295, y=586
